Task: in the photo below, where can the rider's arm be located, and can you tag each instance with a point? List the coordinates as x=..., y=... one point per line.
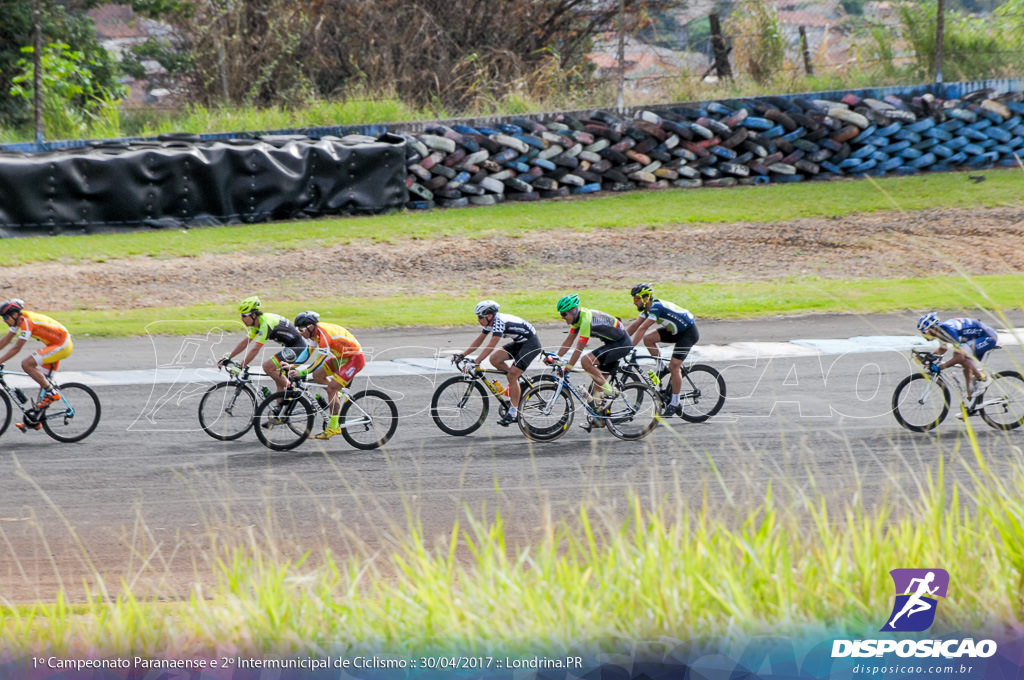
x=473, y=345
x=638, y=334
x=488, y=348
x=15, y=348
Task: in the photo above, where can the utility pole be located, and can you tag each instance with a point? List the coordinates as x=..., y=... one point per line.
x=620, y=103
x=37, y=69
x=718, y=48
x=940, y=39
x=806, y=50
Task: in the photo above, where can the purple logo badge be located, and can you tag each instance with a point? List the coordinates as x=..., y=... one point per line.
x=917, y=597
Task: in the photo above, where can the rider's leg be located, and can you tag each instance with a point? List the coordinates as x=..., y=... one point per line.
x=499, y=359
x=590, y=365
x=31, y=366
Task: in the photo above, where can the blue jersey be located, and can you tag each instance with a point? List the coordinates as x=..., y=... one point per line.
x=674, y=318
x=970, y=333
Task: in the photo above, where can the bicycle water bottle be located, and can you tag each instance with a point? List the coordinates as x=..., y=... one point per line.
x=265, y=390
x=321, y=401
x=20, y=395
x=496, y=387
x=653, y=377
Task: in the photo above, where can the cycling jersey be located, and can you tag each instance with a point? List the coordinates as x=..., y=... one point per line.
x=277, y=328
x=41, y=327
x=334, y=341
x=597, y=324
x=672, y=317
x=511, y=327
x=970, y=333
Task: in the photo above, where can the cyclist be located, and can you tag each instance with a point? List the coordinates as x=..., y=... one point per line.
x=675, y=325
x=262, y=326
x=587, y=323
x=522, y=350
x=337, y=357
x=971, y=340
x=57, y=345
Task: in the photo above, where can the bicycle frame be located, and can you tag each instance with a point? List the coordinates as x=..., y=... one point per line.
x=302, y=386
x=12, y=393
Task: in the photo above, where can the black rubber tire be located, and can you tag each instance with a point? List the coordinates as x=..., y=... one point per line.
x=383, y=419
x=1009, y=413
x=5, y=408
x=913, y=390
x=75, y=416
x=236, y=424
x=446, y=400
x=703, y=395
x=563, y=411
x=298, y=415
x=634, y=412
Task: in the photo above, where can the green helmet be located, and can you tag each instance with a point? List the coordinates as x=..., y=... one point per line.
x=568, y=302
x=249, y=304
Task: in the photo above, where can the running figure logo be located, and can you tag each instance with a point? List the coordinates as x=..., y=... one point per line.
x=917, y=593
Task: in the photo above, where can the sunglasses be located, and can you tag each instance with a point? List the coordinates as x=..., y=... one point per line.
x=565, y=314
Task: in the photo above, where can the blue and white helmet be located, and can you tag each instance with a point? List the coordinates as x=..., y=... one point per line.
x=485, y=307
x=927, y=322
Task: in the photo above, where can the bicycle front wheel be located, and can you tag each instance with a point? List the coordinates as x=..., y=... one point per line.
x=1002, y=405
x=368, y=419
x=74, y=416
x=459, y=406
x=545, y=412
x=288, y=428
x=703, y=393
x=633, y=413
x=920, y=403
x=5, y=411
x=226, y=410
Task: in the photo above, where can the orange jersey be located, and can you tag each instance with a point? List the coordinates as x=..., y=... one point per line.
x=41, y=327
x=332, y=339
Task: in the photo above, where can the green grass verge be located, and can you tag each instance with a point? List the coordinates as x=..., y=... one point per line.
x=638, y=209
x=725, y=300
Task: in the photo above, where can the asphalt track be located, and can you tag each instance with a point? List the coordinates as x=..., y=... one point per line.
x=150, y=499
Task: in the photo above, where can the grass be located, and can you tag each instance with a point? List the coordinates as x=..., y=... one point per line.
x=638, y=209
x=661, y=574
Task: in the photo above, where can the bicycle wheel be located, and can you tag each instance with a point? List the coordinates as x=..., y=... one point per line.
x=75, y=416
x=703, y=393
x=290, y=427
x=633, y=413
x=368, y=419
x=920, y=403
x=459, y=406
x=226, y=410
x=5, y=411
x=545, y=412
x=1003, y=401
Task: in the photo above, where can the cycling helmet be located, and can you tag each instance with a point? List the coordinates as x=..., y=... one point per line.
x=642, y=289
x=927, y=322
x=568, y=302
x=249, y=304
x=304, y=319
x=11, y=306
x=485, y=307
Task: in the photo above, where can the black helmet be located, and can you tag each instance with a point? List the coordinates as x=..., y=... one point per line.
x=306, y=319
x=642, y=289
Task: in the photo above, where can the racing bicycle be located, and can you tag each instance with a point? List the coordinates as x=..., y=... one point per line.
x=460, y=404
x=226, y=410
x=368, y=419
x=921, y=401
x=703, y=392
x=71, y=419
x=548, y=408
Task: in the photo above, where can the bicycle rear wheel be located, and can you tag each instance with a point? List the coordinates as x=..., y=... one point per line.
x=287, y=429
x=74, y=416
x=703, y=393
x=1003, y=401
x=368, y=419
x=633, y=413
x=920, y=403
x=545, y=412
x=459, y=406
x=226, y=410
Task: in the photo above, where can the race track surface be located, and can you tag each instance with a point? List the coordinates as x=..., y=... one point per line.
x=150, y=499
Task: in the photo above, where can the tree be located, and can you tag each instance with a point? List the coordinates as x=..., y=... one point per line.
x=64, y=22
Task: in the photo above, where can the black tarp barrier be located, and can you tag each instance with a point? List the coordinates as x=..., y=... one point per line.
x=176, y=182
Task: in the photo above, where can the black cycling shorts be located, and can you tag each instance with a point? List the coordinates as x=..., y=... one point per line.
x=609, y=355
x=523, y=353
x=683, y=342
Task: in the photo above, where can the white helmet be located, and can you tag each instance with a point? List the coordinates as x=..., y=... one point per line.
x=485, y=307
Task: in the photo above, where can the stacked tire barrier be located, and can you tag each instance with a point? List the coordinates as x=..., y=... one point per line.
x=717, y=144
